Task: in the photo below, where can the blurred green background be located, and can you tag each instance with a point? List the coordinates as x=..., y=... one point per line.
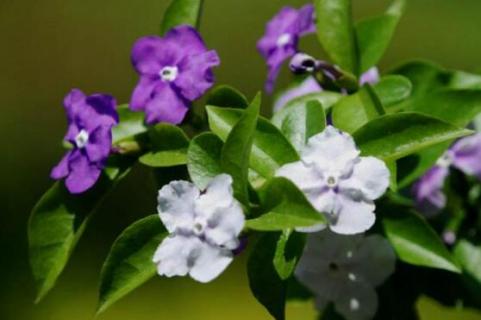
x=51, y=46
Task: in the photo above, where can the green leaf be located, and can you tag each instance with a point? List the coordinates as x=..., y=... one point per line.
x=227, y=96
x=266, y=285
x=393, y=89
x=394, y=136
x=336, y=33
x=129, y=263
x=168, y=145
x=182, y=12
x=289, y=249
x=414, y=241
x=270, y=149
x=354, y=111
x=326, y=98
x=286, y=207
x=375, y=34
x=203, y=159
x=237, y=148
x=470, y=258
x=299, y=120
x=57, y=222
x=130, y=125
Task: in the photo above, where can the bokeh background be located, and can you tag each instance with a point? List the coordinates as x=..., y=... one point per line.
x=50, y=46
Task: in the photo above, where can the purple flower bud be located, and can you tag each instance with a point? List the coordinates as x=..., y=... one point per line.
x=174, y=71
x=282, y=36
x=371, y=76
x=90, y=121
x=303, y=63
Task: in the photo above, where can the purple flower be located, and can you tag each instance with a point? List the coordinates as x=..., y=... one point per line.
x=371, y=76
x=282, y=37
x=90, y=121
x=174, y=71
x=464, y=155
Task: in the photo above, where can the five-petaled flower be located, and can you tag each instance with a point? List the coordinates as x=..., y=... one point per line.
x=90, y=121
x=344, y=270
x=203, y=226
x=174, y=71
x=464, y=155
x=282, y=36
x=338, y=182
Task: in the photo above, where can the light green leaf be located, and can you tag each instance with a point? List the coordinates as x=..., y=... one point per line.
x=393, y=136
x=286, y=207
x=203, y=159
x=168, y=145
x=237, y=148
x=289, y=249
x=129, y=263
x=414, y=241
x=182, y=12
x=469, y=256
x=375, y=34
x=57, y=222
x=266, y=285
x=130, y=125
x=299, y=120
x=336, y=33
x=270, y=149
x=227, y=96
x=354, y=111
x=393, y=89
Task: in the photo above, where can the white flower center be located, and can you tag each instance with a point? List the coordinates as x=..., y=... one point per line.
x=354, y=304
x=81, y=139
x=283, y=39
x=169, y=73
x=331, y=181
x=199, y=227
x=352, y=276
x=445, y=161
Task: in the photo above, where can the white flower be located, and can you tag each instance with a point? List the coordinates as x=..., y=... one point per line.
x=338, y=182
x=203, y=229
x=344, y=270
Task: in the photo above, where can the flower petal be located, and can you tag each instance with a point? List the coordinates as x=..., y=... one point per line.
x=467, y=155
x=371, y=76
x=166, y=106
x=210, y=262
x=352, y=217
x=173, y=255
x=357, y=301
x=61, y=170
x=83, y=174
x=309, y=85
x=142, y=93
x=177, y=204
x=147, y=55
x=331, y=151
x=186, y=39
x=370, y=176
x=428, y=191
x=99, y=144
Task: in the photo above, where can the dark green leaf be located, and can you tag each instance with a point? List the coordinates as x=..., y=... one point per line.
x=393, y=89
x=414, y=241
x=299, y=120
x=394, y=136
x=129, y=263
x=375, y=34
x=57, y=223
x=131, y=124
x=264, y=281
x=289, y=249
x=168, y=145
x=336, y=33
x=270, y=149
x=203, y=159
x=286, y=207
x=227, y=96
x=354, y=111
x=182, y=12
x=236, y=151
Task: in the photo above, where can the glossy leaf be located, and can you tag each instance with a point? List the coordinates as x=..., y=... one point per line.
x=336, y=33
x=286, y=207
x=57, y=222
x=203, y=159
x=394, y=136
x=237, y=148
x=375, y=34
x=299, y=120
x=266, y=285
x=168, y=145
x=227, y=96
x=469, y=257
x=354, y=111
x=129, y=263
x=289, y=249
x=393, y=89
x=270, y=149
x=181, y=12
x=414, y=241
x=130, y=125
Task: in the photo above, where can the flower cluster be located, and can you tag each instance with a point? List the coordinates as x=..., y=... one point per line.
x=338, y=182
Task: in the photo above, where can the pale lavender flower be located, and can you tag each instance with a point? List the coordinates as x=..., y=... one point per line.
x=174, y=71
